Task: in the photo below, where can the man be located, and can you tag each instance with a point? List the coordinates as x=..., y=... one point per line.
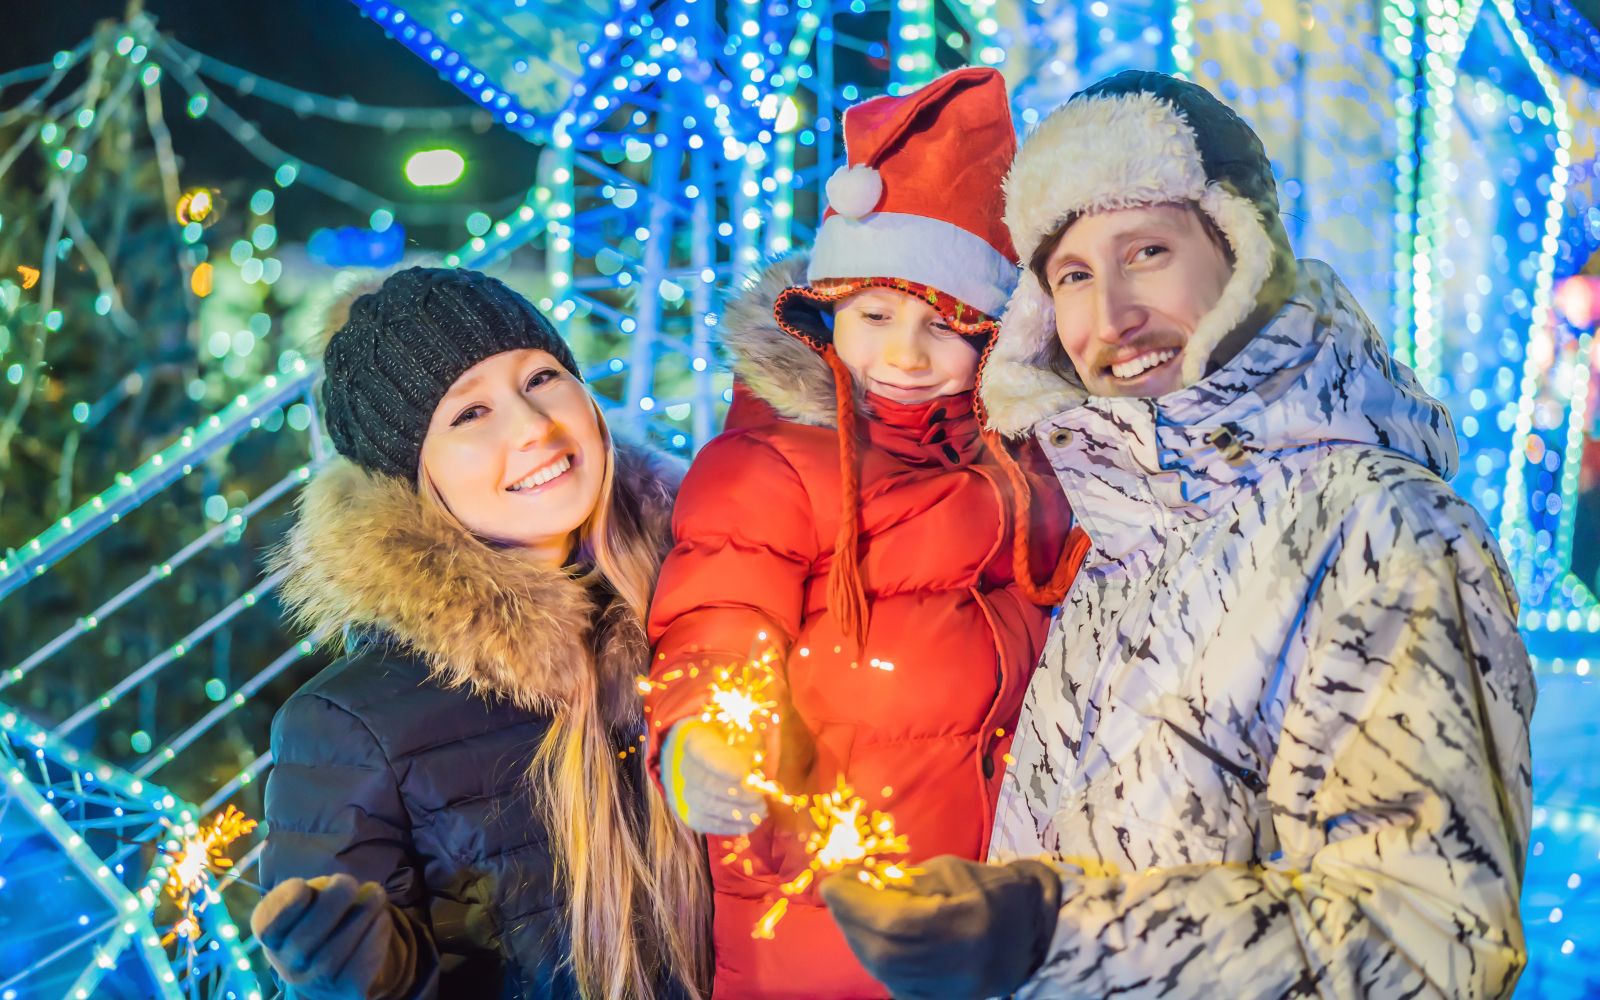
x=1277, y=744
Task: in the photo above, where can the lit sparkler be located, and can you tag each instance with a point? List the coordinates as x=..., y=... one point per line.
x=845, y=836
x=742, y=704
x=200, y=856
x=739, y=701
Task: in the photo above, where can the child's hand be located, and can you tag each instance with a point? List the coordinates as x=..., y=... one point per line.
x=705, y=780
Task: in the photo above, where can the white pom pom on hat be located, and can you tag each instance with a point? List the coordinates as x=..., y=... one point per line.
x=855, y=191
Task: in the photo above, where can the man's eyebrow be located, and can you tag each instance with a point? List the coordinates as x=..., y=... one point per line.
x=1149, y=228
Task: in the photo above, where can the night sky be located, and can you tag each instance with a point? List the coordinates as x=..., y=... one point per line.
x=324, y=46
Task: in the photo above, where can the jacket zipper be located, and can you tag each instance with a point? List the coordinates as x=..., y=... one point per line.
x=1250, y=779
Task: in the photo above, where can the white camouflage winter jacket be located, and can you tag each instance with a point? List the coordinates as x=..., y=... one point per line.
x=1281, y=726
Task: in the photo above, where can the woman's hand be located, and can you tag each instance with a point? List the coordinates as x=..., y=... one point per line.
x=333, y=937
x=705, y=780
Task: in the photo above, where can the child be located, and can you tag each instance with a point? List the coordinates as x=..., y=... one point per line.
x=864, y=531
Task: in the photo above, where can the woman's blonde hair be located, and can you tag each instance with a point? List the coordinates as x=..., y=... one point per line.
x=637, y=889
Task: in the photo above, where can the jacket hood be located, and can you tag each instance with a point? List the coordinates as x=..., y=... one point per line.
x=1318, y=373
x=784, y=371
x=366, y=550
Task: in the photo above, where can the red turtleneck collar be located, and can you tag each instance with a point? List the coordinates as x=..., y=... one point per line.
x=941, y=432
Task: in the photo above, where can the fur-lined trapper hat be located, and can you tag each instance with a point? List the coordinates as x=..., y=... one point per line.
x=1137, y=138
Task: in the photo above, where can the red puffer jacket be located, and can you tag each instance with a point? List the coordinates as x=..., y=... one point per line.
x=919, y=719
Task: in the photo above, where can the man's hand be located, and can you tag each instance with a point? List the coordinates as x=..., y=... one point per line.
x=705, y=780
x=960, y=929
x=333, y=937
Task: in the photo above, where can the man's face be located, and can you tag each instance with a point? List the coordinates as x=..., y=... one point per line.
x=1129, y=287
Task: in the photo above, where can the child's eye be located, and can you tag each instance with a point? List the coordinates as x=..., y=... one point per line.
x=941, y=327
x=874, y=317
x=468, y=415
x=1072, y=277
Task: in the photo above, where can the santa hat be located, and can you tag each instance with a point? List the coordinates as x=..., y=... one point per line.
x=917, y=208
x=919, y=198
x=1137, y=138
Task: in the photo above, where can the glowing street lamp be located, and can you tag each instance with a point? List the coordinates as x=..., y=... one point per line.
x=434, y=167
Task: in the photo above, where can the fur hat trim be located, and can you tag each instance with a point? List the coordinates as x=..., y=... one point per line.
x=1156, y=160
x=917, y=248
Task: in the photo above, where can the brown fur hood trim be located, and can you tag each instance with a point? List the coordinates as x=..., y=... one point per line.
x=778, y=367
x=366, y=550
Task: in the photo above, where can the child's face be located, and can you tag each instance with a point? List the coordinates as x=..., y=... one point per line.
x=900, y=348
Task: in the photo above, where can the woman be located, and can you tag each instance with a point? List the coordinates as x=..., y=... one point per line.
x=458, y=805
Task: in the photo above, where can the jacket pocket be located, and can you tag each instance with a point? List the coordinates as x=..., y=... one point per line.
x=1238, y=779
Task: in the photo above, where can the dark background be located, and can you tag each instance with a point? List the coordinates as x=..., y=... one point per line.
x=323, y=46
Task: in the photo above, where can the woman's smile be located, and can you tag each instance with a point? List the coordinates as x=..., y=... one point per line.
x=550, y=474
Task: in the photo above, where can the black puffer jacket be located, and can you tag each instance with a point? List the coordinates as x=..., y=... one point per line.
x=405, y=763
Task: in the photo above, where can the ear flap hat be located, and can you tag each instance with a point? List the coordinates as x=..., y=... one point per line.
x=1133, y=139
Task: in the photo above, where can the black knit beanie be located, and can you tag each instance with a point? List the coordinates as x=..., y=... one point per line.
x=402, y=348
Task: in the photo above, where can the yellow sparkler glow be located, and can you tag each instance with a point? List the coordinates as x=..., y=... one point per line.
x=30, y=275
x=736, y=708
x=765, y=926
x=200, y=855
x=843, y=837
x=741, y=702
x=738, y=700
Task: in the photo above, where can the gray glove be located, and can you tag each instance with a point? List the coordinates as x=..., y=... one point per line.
x=704, y=777
x=332, y=937
x=960, y=929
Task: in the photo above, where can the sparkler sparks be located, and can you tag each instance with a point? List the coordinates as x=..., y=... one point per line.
x=201, y=855
x=742, y=702
x=845, y=836
x=739, y=701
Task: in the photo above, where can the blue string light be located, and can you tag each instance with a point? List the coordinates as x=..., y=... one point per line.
x=681, y=152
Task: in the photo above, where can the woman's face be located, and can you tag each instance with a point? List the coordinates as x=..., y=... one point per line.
x=516, y=452
x=900, y=347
